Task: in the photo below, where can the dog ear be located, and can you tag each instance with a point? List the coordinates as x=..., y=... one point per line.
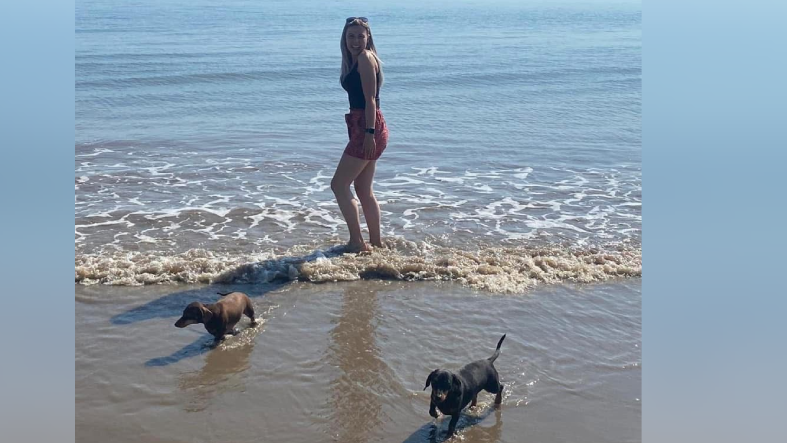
x=455, y=383
x=206, y=314
x=430, y=378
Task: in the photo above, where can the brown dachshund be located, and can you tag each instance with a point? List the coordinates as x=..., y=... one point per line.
x=221, y=317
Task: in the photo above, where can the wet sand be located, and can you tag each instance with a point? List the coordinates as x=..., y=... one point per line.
x=347, y=362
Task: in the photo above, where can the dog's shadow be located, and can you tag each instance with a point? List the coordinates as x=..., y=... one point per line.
x=275, y=272
x=201, y=345
x=171, y=305
x=436, y=431
x=243, y=338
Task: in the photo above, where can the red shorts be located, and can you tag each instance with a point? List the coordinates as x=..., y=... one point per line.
x=356, y=125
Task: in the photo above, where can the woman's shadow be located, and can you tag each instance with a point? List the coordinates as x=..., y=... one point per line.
x=434, y=432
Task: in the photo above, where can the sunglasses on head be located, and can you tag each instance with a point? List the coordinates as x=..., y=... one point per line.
x=362, y=19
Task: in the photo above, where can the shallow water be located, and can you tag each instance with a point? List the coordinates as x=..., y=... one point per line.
x=347, y=362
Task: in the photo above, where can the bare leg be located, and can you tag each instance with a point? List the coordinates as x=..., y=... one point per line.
x=347, y=171
x=371, y=209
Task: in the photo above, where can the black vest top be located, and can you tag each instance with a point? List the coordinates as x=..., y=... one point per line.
x=352, y=84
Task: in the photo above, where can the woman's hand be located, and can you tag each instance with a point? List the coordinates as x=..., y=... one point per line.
x=368, y=146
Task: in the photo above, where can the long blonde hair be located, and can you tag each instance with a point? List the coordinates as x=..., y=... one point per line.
x=346, y=57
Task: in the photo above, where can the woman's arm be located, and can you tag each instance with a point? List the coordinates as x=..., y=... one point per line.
x=367, y=68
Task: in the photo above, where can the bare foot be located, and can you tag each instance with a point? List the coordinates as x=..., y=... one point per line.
x=356, y=247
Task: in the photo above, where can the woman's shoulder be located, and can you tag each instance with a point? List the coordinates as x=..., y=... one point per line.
x=367, y=60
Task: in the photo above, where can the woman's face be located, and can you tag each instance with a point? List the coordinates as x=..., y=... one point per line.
x=356, y=39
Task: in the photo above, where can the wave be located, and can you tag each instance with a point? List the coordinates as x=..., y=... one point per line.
x=495, y=269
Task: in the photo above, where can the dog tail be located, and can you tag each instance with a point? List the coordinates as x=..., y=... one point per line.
x=497, y=351
x=224, y=293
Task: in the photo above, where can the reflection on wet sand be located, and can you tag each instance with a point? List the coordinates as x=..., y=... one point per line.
x=468, y=430
x=476, y=433
x=221, y=373
x=357, y=393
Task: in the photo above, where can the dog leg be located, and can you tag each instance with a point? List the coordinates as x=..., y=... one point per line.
x=432, y=409
x=452, y=424
x=249, y=311
x=499, y=397
x=475, y=401
x=230, y=332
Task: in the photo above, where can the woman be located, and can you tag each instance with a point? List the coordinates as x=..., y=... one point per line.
x=361, y=77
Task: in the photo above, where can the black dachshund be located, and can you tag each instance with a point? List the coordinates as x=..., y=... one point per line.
x=452, y=392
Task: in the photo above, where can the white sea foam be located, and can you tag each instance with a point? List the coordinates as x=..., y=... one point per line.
x=494, y=269
x=95, y=153
x=221, y=211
